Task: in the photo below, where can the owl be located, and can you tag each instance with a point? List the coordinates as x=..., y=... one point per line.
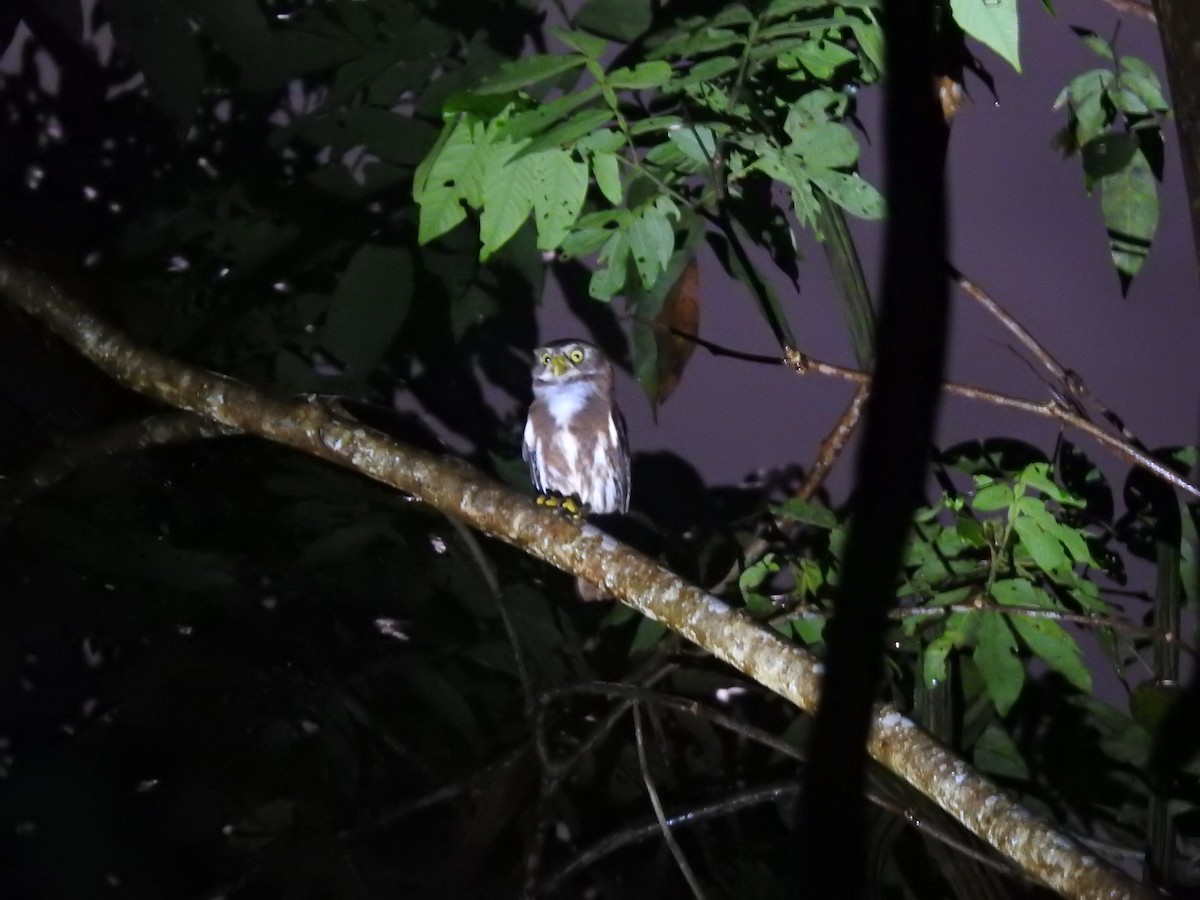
x=575, y=436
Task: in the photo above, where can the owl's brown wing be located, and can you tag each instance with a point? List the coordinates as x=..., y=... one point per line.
x=622, y=457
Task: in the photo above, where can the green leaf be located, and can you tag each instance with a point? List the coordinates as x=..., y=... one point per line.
x=830, y=145
x=521, y=73
x=530, y=122
x=1037, y=475
x=850, y=192
x=822, y=57
x=609, y=277
x=1088, y=95
x=657, y=363
x=1042, y=545
x=991, y=495
x=618, y=20
x=651, y=242
x=809, y=629
x=870, y=38
x=1151, y=702
x=451, y=174
x=580, y=125
x=993, y=23
x=1139, y=78
x=808, y=513
x=651, y=74
x=854, y=295
x=1129, y=201
x=1021, y=592
x=781, y=9
x=970, y=530
x=1095, y=43
x=508, y=194
x=369, y=306
x=997, y=753
x=606, y=170
x=706, y=70
x=1108, y=154
x=697, y=142
x=647, y=635
x=560, y=187
x=1054, y=646
x=654, y=123
x=756, y=573
x=603, y=140
x=996, y=658
x=591, y=47
x=957, y=631
x=160, y=37
x=764, y=293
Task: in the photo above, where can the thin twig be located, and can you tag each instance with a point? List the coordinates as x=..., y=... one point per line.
x=1049, y=409
x=488, y=571
x=685, y=867
x=693, y=815
x=776, y=743
x=555, y=772
x=1134, y=8
x=831, y=448
x=1073, y=388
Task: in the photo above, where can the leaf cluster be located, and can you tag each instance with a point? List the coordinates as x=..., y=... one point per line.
x=1115, y=124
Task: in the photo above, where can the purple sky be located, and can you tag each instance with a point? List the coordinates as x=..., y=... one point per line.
x=1023, y=229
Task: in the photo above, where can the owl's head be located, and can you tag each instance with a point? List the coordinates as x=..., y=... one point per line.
x=569, y=361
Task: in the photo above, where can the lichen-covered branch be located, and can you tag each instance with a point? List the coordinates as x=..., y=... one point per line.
x=458, y=490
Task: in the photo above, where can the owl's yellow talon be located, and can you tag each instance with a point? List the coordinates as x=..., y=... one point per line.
x=572, y=506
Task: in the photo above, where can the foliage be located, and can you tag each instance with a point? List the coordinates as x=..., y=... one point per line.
x=1124, y=162
x=232, y=671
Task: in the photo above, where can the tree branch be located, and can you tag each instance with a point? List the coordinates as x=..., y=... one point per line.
x=457, y=490
x=1047, y=409
x=1123, y=448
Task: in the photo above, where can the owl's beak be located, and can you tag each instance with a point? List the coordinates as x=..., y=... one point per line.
x=559, y=365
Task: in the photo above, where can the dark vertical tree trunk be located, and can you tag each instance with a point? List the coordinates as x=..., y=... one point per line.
x=901, y=412
x=1179, y=26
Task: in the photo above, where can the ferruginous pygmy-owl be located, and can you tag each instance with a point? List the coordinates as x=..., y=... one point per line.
x=575, y=436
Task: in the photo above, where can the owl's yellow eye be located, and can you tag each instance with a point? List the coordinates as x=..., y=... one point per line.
x=545, y=359
x=577, y=356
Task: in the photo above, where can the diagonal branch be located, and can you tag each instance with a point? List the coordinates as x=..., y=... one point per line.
x=457, y=490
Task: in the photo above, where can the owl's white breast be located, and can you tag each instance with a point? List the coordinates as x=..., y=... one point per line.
x=566, y=400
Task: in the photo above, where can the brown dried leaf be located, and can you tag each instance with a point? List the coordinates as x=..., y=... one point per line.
x=680, y=314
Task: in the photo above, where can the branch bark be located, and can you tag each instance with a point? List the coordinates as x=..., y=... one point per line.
x=457, y=490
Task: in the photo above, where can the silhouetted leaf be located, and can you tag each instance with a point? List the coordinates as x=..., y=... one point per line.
x=159, y=36
x=620, y=20
x=369, y=306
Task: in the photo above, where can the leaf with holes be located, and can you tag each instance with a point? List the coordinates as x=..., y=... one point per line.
x=1054, y=646
x=559, y=191
x=996, y=658
x=651, y=242
x=508, y=194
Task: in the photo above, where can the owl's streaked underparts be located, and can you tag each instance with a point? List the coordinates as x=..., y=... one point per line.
x=575, y=436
